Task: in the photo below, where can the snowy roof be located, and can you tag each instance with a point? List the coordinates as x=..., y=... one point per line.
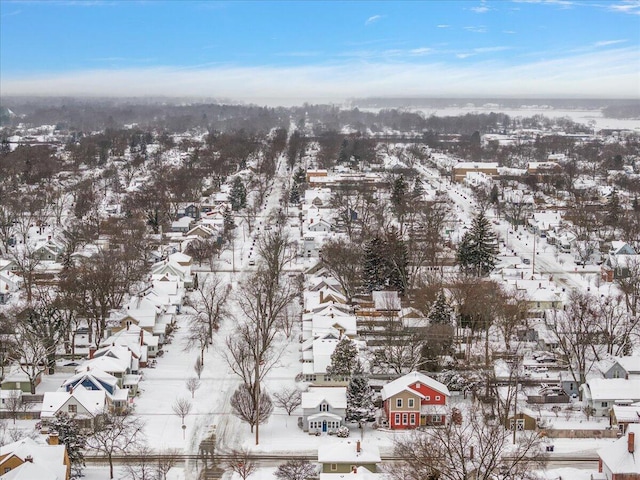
x=334, y=396
x=345, y=452
x=613, y=389
x=402, y=383
x=48, y=457
x=627, y=413
x=29, y=471
x=617, y=457
x=93, y=401
x=631, y=364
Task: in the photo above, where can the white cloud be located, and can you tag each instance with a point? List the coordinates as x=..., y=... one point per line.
x=373, y=19
x=421, y=51
x=464, y=55
x=480, y=9
x=442, y=25
x=606, y=43
x=629, y=6
x=603, y=73
x=476, y=29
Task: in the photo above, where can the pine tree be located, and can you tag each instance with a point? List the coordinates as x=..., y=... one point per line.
x=441, y=311
x=238, y=195
x=478, y=248
x=418, y=189
x=399, y=190
x=343, y=359
x=294, y=195
x=229, y=223
x=396, y=260
x=360, y=407
x=374, y=271
x=614, y=211
x=71, y=436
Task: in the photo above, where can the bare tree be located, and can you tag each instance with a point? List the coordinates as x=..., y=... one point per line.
x=182, y=407
x=15, y=406
x=576, y=329
x=343, y=259
x=31, y=354
x=197, y=337
x=192, y=385
x=241, y=463
x=469, y=449
x=288, y=399
x=243, y=406
x=209, y=300
x=145, y=466
x=115, y=434
x=167, y=459
x=629, y=285
x=295, y=470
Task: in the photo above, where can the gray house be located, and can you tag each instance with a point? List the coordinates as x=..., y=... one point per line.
x=323, y=409
x=624, y=367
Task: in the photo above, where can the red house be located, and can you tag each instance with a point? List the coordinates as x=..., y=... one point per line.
x=414, y=400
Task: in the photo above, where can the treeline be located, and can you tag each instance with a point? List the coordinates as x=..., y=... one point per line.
x=629, y=111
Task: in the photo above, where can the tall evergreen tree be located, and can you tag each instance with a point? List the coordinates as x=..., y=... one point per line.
x=441, y=311
x=374, y=271
x=399, y=197
x=396, y=260
x=343, y=359
x=238, y=194
x=478, y=248
x=360, y=407
x=614, y=210
x=71, y=436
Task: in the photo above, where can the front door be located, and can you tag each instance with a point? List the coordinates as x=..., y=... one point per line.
x=324, y=426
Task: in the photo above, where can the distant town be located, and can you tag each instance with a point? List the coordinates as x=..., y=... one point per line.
x=390, y=289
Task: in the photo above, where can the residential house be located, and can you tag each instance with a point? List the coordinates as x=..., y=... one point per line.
x=9, y=284
x=17, y=379
x=603, y=393
x=323, y=409
x=98, y=380
x=181, y=225
x=624, y=367
x=415, y=400
x=316, y=357
x=619, y=460
x=201, y=231
x=142, y=346
x=26, y=460
x=85, y=406
x=361, y=473
x=619, y=266
x=348, y=456
x=622, y=416
x=621, y=248
x=50, y=251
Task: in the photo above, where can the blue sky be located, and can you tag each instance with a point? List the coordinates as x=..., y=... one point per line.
x=315, y=51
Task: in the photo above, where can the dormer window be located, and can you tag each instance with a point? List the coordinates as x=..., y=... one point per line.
x=324, y=407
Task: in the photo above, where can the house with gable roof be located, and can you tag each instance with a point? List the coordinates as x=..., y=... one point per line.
x=620, y=460
x=601, y=394
x=27, y=459
x=98, y=380
x=323, y=409
x=348, y=456
x=85, y=406
x=624, y=367
x=415, y=400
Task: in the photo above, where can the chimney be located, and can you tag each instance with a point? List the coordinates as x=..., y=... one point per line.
x=92, y=352
x=28, y=458
x=141, y=337
x=354, y=469
x=358, y=446
x=631, y=440
x=53, y=438
x=321, y=296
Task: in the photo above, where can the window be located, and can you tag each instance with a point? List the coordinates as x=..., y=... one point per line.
x=399, y=403
x=73, y=408
x=411, y=403
x=436, y=419
x=427, y=398
x=324, y=407
x=334, y=467
x=7, y=469
x=412, y=419
x=397, y=419
x=605, y=404
x=437, y=398
x=405, y=419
